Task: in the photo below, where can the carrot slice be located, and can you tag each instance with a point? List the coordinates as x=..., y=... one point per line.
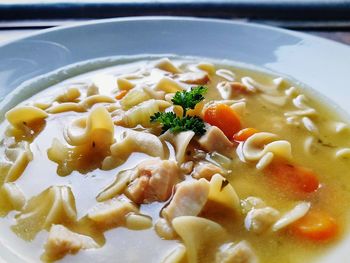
x=315, y=225
x=293, y=178
x=121, y=94
x=244, y=134
x=223, y=117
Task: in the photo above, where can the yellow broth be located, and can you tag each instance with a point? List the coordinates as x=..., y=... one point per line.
x=145, y=245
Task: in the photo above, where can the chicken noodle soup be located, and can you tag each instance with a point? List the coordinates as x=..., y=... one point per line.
x=174, y=161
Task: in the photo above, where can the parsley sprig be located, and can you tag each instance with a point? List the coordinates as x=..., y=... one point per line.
x=187, y=100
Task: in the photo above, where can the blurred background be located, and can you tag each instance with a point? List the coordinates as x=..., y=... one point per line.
x=327, y=18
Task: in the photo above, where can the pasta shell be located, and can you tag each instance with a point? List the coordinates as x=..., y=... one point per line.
x=168, y=85
x=53, y=206
x=65, y=107
x=180, y=142
x=135, y=141
x=293, y=215
x=124, y=84
x=166, y=65
x=261, y=143
x=222, y=192
x=97, y=127
x=11, y=198
x=177, y=255
x=197, y=234
x=226, y=74
x=24, y=115
x=18, y=158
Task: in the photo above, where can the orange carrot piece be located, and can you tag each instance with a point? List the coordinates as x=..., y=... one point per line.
x=121, y=94
x=223, y=117
x=244, y=134
x=315, y=225
x=239, y=88
x=293, y=178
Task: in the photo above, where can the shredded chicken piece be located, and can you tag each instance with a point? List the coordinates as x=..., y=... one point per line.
x=214, y=140
x=111, y=213
x=189, y=199
x=228, y=89
x=206, y=170
x=62, y=241
x=239, y=88
x=252, y=202
x=154, y=182
x=199, y=78
x=239, y=253
x=258, y=220
x=137, y=188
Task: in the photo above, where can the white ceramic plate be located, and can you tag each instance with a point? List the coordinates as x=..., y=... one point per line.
x=321, y=64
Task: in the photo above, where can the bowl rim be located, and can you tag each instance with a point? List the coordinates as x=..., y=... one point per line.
x=168, y=18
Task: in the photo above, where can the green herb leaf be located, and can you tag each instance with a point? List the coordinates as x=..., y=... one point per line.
x=189, y=123
x=166, y=119
x=175, y=124
x=189, y=99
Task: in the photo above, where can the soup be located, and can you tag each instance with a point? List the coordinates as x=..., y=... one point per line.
x=174, y=161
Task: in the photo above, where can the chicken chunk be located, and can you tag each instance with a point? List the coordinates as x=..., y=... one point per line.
x=62, y=241
x=111, y=213
x=199, y=78
x=206, y=170
x=189, y=199
x=237, y=88
x=239, y=253
x=137, y=188
x=214, y=140
x=250, y=203
x=258, y=220
x=154, y=182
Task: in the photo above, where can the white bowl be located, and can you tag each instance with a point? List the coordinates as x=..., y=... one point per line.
x=321, y=64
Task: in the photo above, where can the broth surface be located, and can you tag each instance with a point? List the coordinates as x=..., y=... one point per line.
x=319, y=141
